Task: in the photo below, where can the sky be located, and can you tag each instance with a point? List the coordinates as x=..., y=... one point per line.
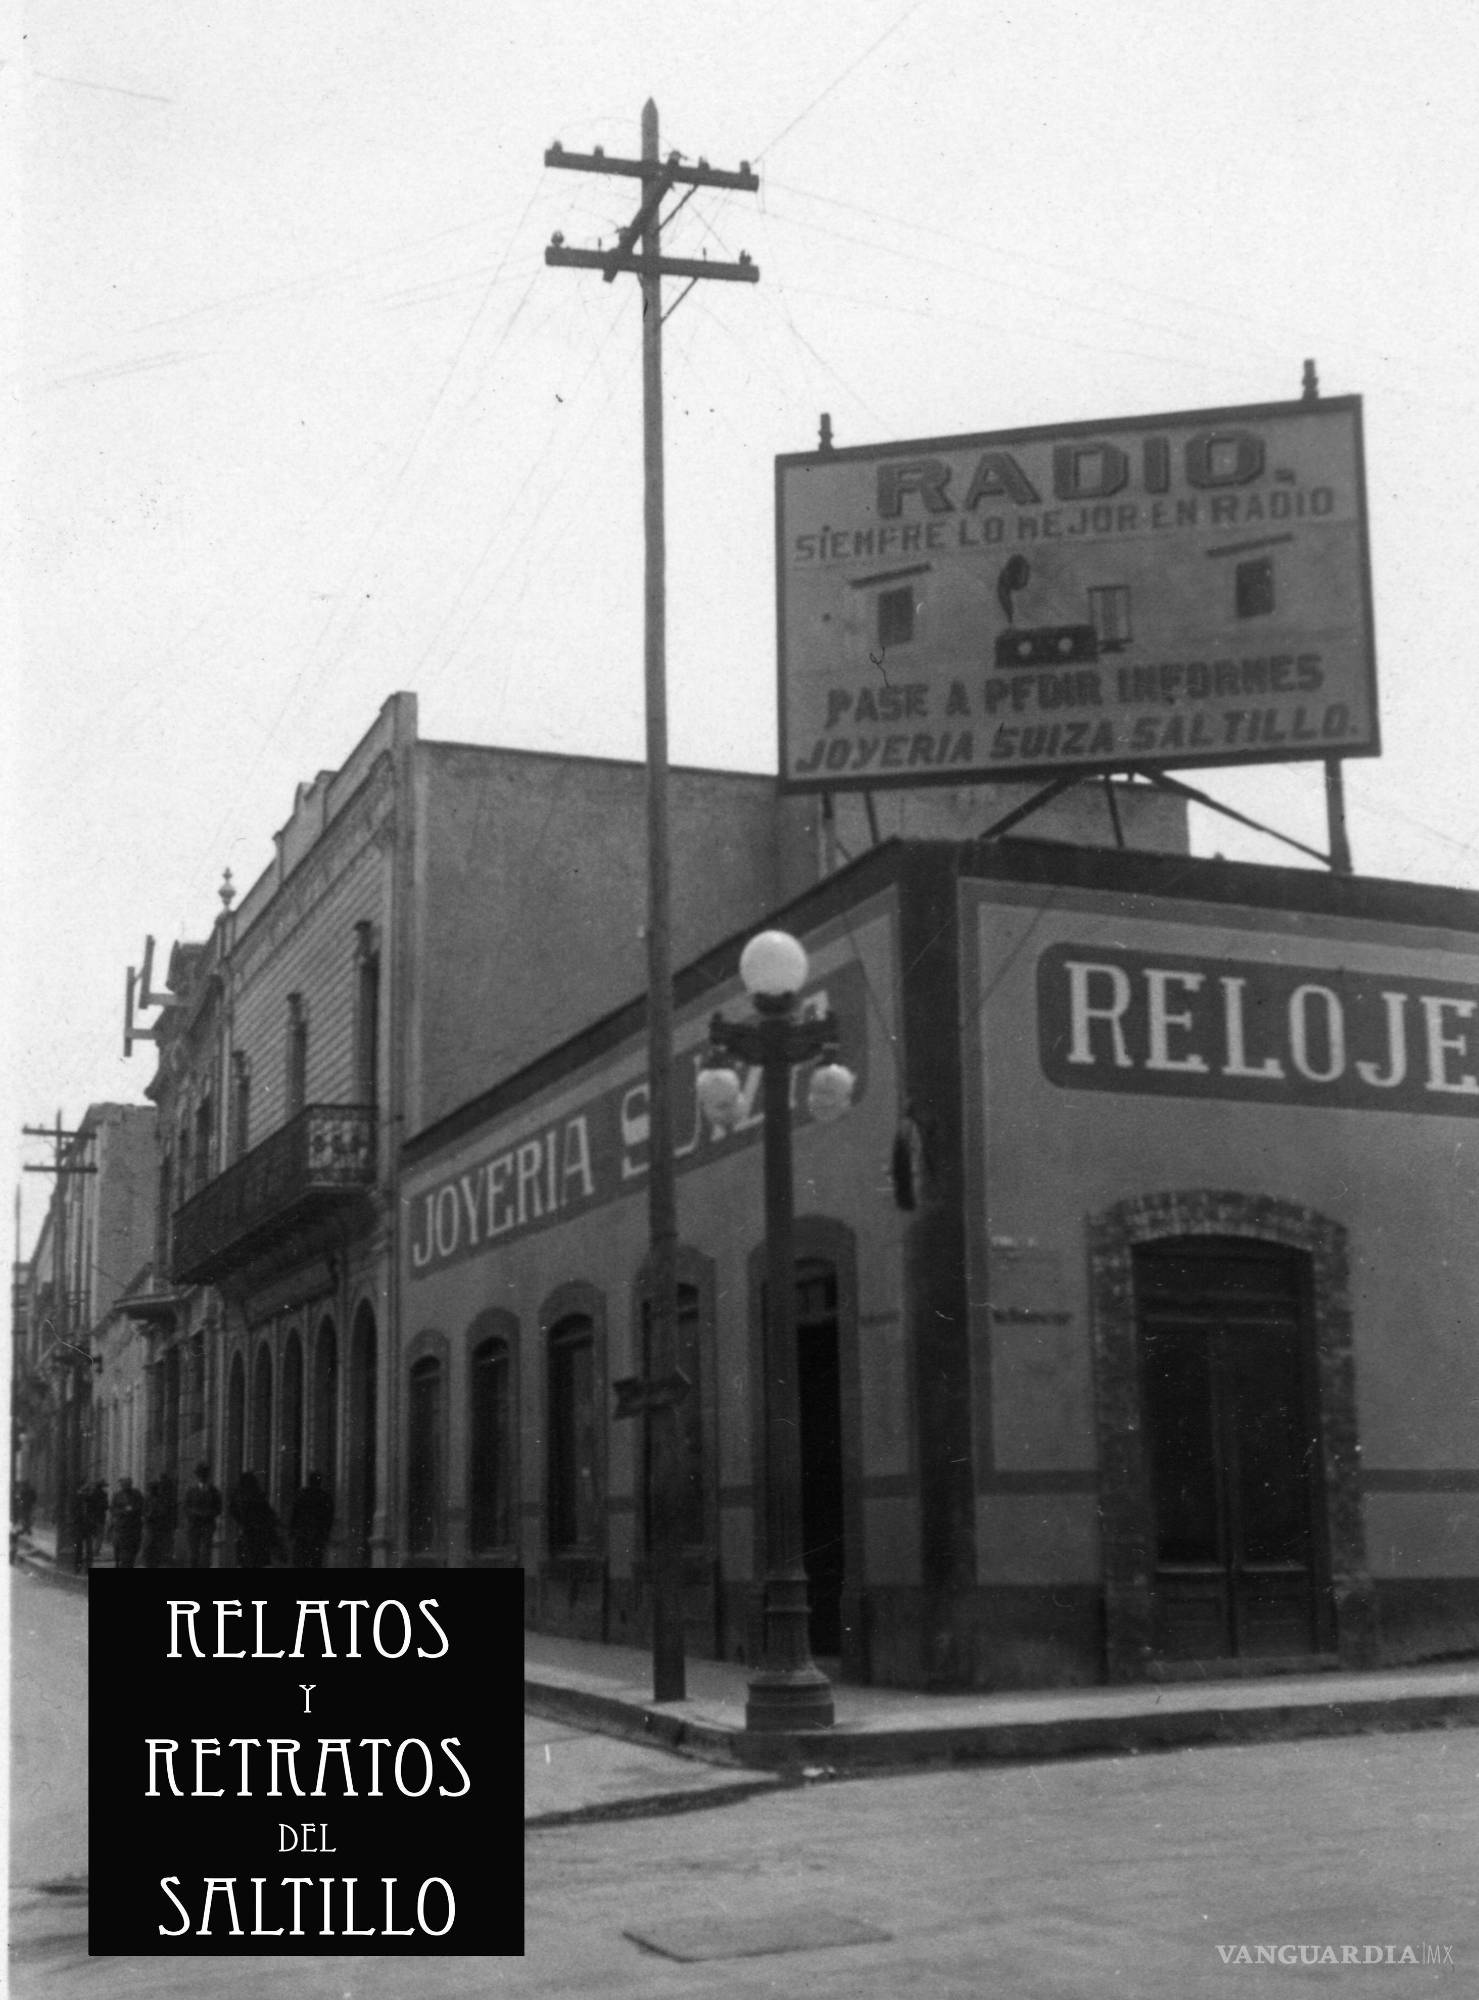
x=300, y=417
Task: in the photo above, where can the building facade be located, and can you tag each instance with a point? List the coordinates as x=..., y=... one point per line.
x=434, y=913
x=95, y=1238
x=1136, y=1296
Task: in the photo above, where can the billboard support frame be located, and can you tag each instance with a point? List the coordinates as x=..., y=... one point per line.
x=1338, y=860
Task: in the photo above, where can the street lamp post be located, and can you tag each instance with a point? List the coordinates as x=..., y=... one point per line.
x=787, y=1691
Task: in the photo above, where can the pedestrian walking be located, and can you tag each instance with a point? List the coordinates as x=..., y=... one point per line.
x=202, y=1511
x=159, y=1525
x=126, y=1521
x=311, y=1523
x=258, y=1536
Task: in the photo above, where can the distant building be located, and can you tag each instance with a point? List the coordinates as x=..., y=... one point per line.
x=97, y=1231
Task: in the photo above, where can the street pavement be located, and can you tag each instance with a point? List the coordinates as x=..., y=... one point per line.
x=1154, y=1877
x=1068, y=1880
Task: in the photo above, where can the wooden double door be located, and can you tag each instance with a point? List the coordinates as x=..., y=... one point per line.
x=1231, y=1413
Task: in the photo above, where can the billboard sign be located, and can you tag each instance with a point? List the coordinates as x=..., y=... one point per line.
x=1162, y=592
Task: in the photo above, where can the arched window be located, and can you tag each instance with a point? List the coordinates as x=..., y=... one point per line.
x=574, y=1498
x=693, y=1532
x=493, y=1453
x=424, y=1508
x=360, y=1481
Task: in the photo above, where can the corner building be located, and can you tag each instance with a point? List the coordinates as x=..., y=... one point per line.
x=1136, y=1295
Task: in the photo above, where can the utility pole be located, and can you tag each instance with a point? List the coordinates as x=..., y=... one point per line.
x=657, y=1399
x=71, y=1380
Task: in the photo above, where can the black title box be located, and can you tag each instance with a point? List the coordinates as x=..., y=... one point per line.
x=305, y=1762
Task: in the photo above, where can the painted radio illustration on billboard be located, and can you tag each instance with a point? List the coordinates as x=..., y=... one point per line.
x=1156, y=591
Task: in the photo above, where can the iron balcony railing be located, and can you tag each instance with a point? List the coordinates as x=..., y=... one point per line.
x=317, y=1161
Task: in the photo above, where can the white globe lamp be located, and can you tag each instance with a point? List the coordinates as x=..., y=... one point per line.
x=773, y=965
x=720, y=1095
x=829, y=1094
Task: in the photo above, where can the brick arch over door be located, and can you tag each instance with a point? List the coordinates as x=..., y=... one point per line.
x=1124, y=1485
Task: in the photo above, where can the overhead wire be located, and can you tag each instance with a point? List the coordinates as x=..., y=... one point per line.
x=838, y=80
x=384, y=511
x=1220, y=309
x=570, y=459
x=775, y=294
x=995, y=281
x=308, y=282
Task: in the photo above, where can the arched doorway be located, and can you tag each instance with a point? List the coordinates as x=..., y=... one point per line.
x=170, y=1415
x=290, y=1422
x=261, y=1438
x=829, y=1394
x=819, y=1388
x=235, y=1422
x=1232, y=1447
x=360, y=1469
x=1229, y=1462
x=323, y=1454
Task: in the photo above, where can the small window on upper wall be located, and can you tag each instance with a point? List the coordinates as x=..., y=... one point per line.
x=297, y=1055
x=241, y=1103
x=366, y=1015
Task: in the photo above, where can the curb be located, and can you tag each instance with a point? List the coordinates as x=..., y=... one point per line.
x=44, y=1566
x=707, y=1742
x=657, y=1805
x=848, y=1753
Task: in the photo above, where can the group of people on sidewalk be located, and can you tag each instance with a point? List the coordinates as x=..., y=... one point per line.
x=142, y=1526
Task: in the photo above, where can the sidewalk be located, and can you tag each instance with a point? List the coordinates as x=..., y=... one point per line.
x=608, y=1688
x=38, y=1551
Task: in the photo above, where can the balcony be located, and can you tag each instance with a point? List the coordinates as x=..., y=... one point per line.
x=320, y=1162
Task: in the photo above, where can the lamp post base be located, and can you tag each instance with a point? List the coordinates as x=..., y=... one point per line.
x=788, y=1699
x=788, y=1690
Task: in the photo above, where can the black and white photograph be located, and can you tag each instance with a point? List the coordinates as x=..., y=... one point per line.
x=744, y=967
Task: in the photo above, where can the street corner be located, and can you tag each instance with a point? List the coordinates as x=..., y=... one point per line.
x=574, y=1774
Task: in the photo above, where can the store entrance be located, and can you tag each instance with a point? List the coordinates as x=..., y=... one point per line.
x=1230, y=1405
x=819, y=1382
